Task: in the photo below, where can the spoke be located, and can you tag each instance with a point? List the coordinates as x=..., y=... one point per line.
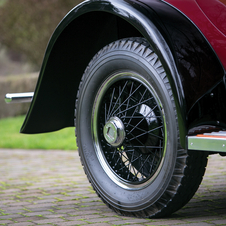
x=160, y=153
x=117, y=162
x=124, y=162
x=135, y=174
x=140, y=117
x=153, y=162
x=127, y=151
x=126, y=100
x=141, y=120
x=112, y=96
x=119, y=94
x=130, y=165
x=154, y=135
x=118, y=100
x=109, y=146
x=105, y=112
x=135, y=137
x=138, y=158
x=114, y=153
x=152, y=147
x=142, y=130
x=138, y=102
x=147, y=132
x=138, y=171
x=131, y=88
x=125, y=155
x=134, y=106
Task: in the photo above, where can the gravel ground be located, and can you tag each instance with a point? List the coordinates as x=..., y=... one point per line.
x=50, y=188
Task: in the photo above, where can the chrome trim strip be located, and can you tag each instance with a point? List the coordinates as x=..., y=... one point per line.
x=19, y=97
x=213, y=143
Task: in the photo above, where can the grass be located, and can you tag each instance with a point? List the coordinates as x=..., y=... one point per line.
x=11, y=138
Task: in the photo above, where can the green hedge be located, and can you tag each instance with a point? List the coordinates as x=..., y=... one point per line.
x=26, y=25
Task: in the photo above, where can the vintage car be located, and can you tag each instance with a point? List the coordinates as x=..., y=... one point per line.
x=143, y=83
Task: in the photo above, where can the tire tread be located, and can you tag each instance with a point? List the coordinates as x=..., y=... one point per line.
x=190, y=165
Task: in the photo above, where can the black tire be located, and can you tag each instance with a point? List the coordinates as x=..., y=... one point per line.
x=127, y=133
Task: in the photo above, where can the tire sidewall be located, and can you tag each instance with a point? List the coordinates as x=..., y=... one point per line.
x=98, y=71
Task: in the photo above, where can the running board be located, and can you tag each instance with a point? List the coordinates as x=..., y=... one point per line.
x=215, y=141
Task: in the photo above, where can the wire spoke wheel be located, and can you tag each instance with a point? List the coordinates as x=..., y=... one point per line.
x=128, y=133
x=129, y=130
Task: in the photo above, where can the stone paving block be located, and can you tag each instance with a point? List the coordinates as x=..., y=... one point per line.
x=32, y=218
x=86, y=212
x=15, y=211
x=18, y=204
x=87, y=217
x=202, y=219
x=155, y=223
x=22, y=224
x=219, y=222
x=9, y=216
x=72, y=223
x=128, y=221
x=53, y=186
x=195, y=224
x=136, y=224
x=38, y=209
x=55, y=215
x=48, y=221
x=103, y=220
x=9, y=202
x=42, y=205
x=68, y=203
x=4, y=222
x=111, y=213
x=103, y=224
x=43, y=213
x=68, y=211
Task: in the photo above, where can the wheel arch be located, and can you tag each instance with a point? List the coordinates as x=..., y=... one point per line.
x=81, y=34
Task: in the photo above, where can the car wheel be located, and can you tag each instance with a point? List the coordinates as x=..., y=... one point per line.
x=127, y=133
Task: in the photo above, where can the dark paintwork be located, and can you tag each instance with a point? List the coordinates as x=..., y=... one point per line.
x=191, y=64
x=211, y=20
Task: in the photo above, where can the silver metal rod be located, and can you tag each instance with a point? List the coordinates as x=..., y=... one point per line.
x=19, y=97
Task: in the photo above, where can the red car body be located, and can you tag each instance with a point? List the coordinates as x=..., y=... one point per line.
x=209, y=17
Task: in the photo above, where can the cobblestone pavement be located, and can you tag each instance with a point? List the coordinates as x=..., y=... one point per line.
x=49, y=188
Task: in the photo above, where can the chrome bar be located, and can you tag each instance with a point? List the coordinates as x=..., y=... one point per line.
x=19, y=97
x=215, y=141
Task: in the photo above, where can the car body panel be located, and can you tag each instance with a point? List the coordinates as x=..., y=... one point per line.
x=216, y=16
x=192, y=66
x=209, y=17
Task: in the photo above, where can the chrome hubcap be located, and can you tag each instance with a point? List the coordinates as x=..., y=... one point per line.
x=114, y=132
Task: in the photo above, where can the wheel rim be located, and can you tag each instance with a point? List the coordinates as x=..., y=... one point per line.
x=129, y=130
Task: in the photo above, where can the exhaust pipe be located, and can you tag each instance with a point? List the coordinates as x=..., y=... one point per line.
x=19, y=97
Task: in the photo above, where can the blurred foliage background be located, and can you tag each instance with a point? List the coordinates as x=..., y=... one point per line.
x=25, y=29
x=27, y=25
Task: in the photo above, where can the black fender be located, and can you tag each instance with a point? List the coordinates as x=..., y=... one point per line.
x=91, y=25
